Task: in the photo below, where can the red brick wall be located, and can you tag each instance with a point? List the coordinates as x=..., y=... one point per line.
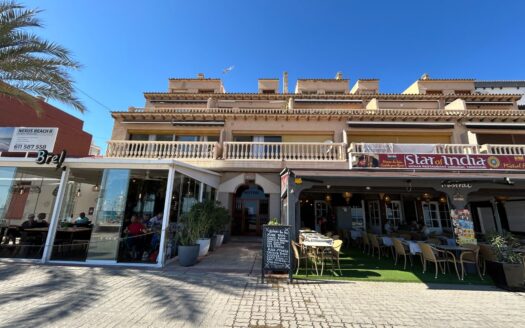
x=70, y=136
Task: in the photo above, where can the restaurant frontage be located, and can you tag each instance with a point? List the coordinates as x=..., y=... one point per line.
x=79, y=213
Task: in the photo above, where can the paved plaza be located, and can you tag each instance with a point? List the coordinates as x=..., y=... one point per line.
x=224, y=290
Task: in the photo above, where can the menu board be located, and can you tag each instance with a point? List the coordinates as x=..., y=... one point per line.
x=276, y=253
x=463, y=227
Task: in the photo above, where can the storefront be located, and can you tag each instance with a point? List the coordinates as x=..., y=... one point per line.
x=80, y=213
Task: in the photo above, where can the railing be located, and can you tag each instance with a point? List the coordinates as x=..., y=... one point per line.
x=503, y=149
x=410, y=112
x=288, y=151
x=381, y=148
x=162, y=149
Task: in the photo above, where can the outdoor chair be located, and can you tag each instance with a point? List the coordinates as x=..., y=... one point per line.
x=438, y=257
x=401, y=250
x=374, y=242
x=470, y=257
x=434, y=241
x=366, y=243
x=486, y=253
x=300, y=254
x=345, y=237
x=336, y=251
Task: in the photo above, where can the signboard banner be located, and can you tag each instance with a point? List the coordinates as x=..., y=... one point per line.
x=33, y=139
x=439, y=161
x=463, y=227
x=276, y=254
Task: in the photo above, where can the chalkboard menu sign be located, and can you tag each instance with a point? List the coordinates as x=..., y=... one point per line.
x=276, y=254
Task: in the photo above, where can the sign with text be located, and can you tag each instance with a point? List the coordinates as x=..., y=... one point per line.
x=45, y=157
x=33, y=139
x=439, y=161
x=463, y=227
x=276, y=254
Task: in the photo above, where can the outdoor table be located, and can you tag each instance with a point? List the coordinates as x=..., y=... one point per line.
x=321, y=246
x=412, y=246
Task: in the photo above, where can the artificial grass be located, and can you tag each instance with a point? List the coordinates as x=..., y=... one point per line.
x=357, y=266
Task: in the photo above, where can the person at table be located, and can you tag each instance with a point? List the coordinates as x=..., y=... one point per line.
x=135, y=241
x=41, y=221
x=414, y=226
x=155, y=225
x=425, y=231
x=29, y=223
x=82, y=220
x=388, y=228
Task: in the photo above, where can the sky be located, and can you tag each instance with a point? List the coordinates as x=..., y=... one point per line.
x=130, y=47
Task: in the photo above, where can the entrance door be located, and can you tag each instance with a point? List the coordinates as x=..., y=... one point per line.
x=431, y=216
x=251, y=210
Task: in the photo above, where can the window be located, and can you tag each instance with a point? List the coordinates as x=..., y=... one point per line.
x=394, y=215
x=374, y=214
x=431, y=215
x=164, y=137
x=206, y=91
x=138, y=137
x=187, y=138
x=444, y=214
x=267, y=91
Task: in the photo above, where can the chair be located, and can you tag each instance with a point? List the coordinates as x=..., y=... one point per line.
x=336, y=250
x=366, y=242
x=401, y=249
x=374, y=242
x=300, y=254
x=436, y=256
x=486, y=253
x=470, y=257
x=345, y=237
x=434, y=241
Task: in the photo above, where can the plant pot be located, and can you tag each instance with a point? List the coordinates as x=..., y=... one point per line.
x=188, y=255
x=220, y=239
x=204, y=244
x=213, y=242
x=507, y=275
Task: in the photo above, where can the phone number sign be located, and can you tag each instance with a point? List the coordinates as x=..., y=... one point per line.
x=33, y=139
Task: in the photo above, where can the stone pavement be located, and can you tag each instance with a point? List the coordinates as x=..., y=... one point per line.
x=221, y=291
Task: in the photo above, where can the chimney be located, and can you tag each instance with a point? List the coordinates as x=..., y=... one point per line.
x=200, y=75
x=339, y=76
x=285, y=82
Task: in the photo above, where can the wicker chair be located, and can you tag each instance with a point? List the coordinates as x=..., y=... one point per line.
x=300, y=254
x=336, y=250
x=436, y=256
x=374, y=242
x=434, y=241
x=401, y=250
x=486, y=253
x=470, y=257
x=366, y=242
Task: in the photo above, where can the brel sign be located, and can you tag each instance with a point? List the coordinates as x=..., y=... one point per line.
x=45, y=157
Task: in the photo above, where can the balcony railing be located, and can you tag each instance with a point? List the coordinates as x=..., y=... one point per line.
x=162, y=149
x=381, y=148
x=503, y=149
x=288, y=151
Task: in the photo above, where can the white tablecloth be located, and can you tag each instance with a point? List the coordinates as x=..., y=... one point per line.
x=413, y=247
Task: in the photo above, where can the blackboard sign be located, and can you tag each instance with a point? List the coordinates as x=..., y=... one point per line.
x=276, y=253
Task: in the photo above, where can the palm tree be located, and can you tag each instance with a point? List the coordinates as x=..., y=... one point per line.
x=31, y=64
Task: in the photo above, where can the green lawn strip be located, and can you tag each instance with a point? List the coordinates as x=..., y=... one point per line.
x=357, y=266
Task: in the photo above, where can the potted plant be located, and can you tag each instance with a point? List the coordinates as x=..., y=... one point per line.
x=508, y=271
x=187, y=235
x=221, y=220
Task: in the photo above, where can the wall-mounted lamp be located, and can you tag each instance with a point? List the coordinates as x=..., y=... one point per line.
x=347, y=195
x=328, y=198
x=78, y=192
x=443, y=199
x=387, y=199
x=96, y=188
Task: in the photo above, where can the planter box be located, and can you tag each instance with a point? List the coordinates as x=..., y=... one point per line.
x=204, y=244
x=188, y=255
x=507, y=275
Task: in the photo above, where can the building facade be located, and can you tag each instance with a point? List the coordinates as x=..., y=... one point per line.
x=326, y=156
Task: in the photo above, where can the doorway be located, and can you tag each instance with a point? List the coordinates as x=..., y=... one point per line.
x=251, y=210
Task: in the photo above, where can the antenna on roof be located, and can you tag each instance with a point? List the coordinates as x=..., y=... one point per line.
x=285, y=82
x=425, y=76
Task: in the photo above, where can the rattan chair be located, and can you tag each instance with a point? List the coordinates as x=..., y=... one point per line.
x=401, y=250
x=434, y=241
x=301, y=254
x=366, y=242
x=336, y=250
x=486, y=253
x=438, y=257
x=470, y=257
x=374, y=242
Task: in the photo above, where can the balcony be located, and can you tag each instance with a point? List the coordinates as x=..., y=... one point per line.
x=284, y=151
x=385, y=148
x=162, y=149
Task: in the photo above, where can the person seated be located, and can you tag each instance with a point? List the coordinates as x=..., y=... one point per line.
x=388, y=228
x=41, y=221
x=414, y=226
x=82, y=220
x=135, y=242
x=155, y=224
x=425, y=231
x=30, y=222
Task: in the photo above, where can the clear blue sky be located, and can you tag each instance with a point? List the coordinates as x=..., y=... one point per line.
x=128, y=47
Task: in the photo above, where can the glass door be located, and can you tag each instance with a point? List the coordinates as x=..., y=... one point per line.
x=250, y=210
x=374, y=216
x=431, y=216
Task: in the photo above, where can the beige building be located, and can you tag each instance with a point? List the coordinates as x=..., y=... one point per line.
x=349, y=150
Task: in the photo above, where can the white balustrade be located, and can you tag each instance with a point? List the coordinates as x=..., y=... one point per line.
x=288, y=151
x=390, y=148
x=162, y=149
x=503, y=149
